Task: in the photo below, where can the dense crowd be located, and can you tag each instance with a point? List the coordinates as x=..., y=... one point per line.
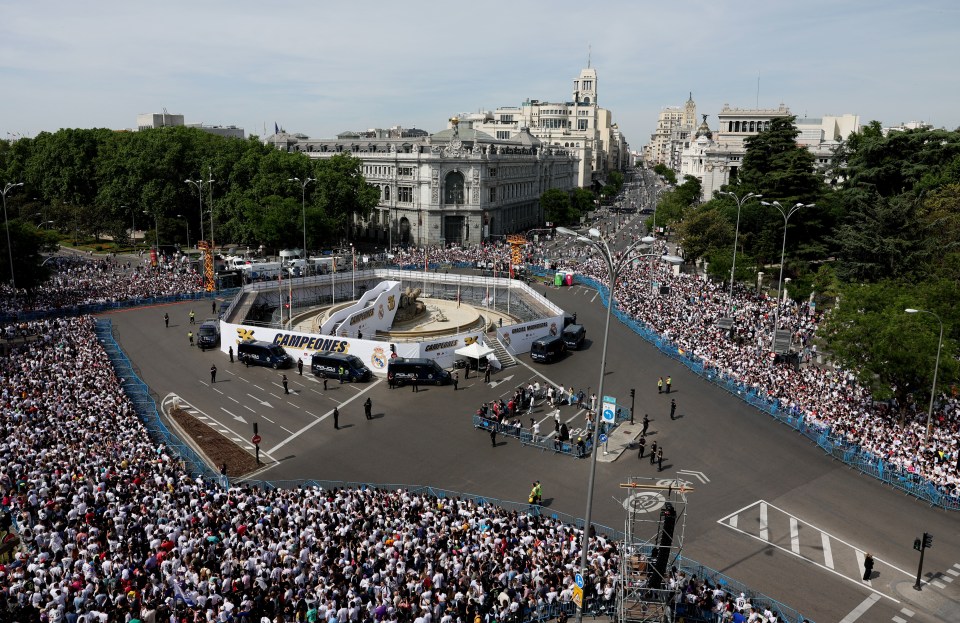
x=76, y=280
x=686, y=313
x=100, y=523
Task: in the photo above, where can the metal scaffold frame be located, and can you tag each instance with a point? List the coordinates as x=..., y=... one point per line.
x=656, y=512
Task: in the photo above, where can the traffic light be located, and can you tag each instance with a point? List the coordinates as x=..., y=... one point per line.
x=917, y=544
x=632, y=392
x=927, y=540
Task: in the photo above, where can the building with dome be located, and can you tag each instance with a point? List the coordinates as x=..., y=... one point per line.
x=457, y=186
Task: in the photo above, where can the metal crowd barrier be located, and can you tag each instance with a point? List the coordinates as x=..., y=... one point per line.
x=99, y=308
x=832, y=444
x=139, y=394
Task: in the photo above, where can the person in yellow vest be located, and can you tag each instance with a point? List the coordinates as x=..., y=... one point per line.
x=660, y=385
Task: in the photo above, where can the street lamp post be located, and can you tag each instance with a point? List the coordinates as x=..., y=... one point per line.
x=615, y=264
x=936, y=369
x=40, y=225
x=6, y=189
x=786, y=213
x=198, y=184
x=187, y=221
x=303, y=207
x=736, y=233
x=156, y=228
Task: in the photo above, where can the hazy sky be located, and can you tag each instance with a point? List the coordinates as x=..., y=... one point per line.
x=322, y=67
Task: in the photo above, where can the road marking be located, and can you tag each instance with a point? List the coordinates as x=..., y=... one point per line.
x=764, y=531
x=938, y=584
x=733, y=521
x=233, y=399
x=953, y=573
x=275, y=396
x=827, y=550
x=726, y=521
x=794, y=536
x=268, y=419
x=238, y=418
x=218, y=391
x=258, y=387
x=320, y=419
x=857, y=612
x=907, y=612
x=945, y=578
x=308, y=413
x=899, y=620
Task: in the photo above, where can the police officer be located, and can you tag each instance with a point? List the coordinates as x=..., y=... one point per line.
x=166, y=320
x=300, y=366
x=368, y=409
x=285, y=389
x=643, y=446
x=653, y=452
x=230, y=352
x=213, y=374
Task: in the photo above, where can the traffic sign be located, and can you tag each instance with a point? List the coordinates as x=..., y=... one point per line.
x=609, y=411
x=578, y=596
x=579, y=580
x=602, y=438
x=256, y=440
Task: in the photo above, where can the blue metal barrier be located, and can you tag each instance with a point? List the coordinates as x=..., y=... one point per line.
x=99, y=308
x=852, y=455
x=139, y=394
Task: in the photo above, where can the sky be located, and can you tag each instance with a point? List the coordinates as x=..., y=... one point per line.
x=322, y=67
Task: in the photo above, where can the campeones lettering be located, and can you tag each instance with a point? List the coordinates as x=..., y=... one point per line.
x=306, y=342
x=361, y=316
x=440, y=345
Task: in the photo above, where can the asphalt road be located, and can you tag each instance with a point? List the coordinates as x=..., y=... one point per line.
x=771, y=510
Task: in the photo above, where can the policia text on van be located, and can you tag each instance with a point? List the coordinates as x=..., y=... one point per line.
x=263, y=354
x=401, y=371
x=334, y=365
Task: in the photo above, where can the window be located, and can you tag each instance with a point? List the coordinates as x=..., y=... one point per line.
x=582, y=124
x=506, y=118
x=386, y=193
x=503, y=134
x=405, y=171
x=453, y=189
x=493, y=171
x=492, y=195
x=405, y=194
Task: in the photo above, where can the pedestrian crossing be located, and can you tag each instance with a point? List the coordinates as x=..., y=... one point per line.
x=792, y=535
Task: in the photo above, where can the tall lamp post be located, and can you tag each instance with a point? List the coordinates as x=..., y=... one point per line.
x=736, y=234
x=199, y=184
x=187, y=221
x=156, y=228
x=303, y=207
x=936, y=368
x=786, y=213
x=615, y=264
x=6, y=189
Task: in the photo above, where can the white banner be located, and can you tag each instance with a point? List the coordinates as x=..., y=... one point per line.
x=518, y=337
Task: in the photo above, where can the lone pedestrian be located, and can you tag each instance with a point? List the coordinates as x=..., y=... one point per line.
x=415, y=385
x=166, y=320
x=493, y=435
x=285, y=389
x=300, y=366
x=230, y=352
x=669, y=383
x=213, y=306
x=673, y=407
x=643, y=446
x=653, y=452
x=867, y=567
x=193, y=317
x=340, y=372
x=660, y=385
x=456, y=380
x=486, y=374
x=646, y=423
x=660, y=459
x=368, y=408
x=213, y=374
x=190, y=337
x=324, y=383
x=336, y=418
x=466, y=371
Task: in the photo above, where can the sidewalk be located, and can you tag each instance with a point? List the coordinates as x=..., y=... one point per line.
x=620, y=440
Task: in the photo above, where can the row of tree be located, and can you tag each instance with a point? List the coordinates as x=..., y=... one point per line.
x=883, y=235
x=100, y=182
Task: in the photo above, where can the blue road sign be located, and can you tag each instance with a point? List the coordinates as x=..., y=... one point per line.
x=579, y=580
x=602, y=438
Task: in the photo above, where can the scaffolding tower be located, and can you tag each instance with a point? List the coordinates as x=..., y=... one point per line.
x=654, y=526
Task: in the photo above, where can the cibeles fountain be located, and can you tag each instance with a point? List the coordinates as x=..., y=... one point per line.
x=380, y=313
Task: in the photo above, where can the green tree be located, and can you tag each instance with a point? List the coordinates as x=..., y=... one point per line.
x=665, y=172
x=556, y=206
x=890, y=351
x=582, y=201
x=705, y=233
x=26, y=243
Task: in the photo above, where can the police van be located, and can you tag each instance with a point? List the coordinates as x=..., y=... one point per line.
x=402, y=370
x=263, y=354
x=547, y=349
x=328, y=364
x=573, y=336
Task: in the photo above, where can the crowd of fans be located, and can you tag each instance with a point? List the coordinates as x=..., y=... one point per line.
x=76, y=280
x=102, y=524
x=686, y=313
